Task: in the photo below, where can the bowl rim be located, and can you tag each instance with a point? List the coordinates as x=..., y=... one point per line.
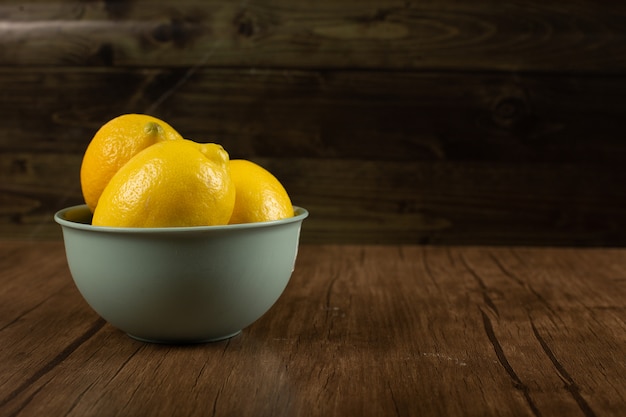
x=60, y=217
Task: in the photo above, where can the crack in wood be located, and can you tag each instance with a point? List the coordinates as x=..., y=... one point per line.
x=522, y=283
x=429, y=272
x=329, y=293
x=128, y=359
x=51, y=364
x=393, y=399
x=79, y=398
x=34, y=307
x=483, y=288
x=497, y=347
x=218, y=394
x=570, y=384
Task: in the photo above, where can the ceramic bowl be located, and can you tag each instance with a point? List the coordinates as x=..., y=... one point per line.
x=180, y=284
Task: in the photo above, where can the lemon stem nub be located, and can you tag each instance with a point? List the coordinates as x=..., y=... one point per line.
x=153, y=128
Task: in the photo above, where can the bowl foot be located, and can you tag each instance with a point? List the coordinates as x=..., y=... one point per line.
x=184, y=341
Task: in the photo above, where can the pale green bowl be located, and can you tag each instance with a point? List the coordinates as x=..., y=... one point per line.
x=180, y=284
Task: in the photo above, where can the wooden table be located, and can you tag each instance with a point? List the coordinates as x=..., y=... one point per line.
x=360, y=331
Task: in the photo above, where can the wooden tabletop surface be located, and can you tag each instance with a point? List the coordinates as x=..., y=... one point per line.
x=359, y=331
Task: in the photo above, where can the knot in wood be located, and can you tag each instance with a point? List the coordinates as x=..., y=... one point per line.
x=178, y=31
x=19, y=166
x=245, y=25
x=509, y=111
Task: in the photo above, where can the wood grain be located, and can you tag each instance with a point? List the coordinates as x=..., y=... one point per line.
x=347, y=114
x=450, y=159
x=392, y=121
x=360, y=330
x=403, y=202
x=451, y=35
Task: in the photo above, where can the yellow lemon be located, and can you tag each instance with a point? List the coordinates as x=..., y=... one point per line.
x=113, y=145
x=171, y=183
x=259, y=195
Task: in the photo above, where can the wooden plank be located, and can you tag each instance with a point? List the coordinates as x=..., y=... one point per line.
x=319, y=114
x=456, y=203
x=360, y=330
x=452, y=35
x=375, y=156
x=396, y=202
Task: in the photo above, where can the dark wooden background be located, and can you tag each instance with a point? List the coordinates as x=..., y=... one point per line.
x=437, y=121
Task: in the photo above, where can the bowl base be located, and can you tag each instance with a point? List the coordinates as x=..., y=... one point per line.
x=184, y=341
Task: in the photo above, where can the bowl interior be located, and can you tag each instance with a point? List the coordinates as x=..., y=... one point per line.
x=79, y=217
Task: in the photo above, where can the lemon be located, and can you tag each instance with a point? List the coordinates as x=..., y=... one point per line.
x=113, y=145
x=168, y=184
x=259, y=195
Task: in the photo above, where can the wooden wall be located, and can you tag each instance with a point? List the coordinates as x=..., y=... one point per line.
x=436, y=121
